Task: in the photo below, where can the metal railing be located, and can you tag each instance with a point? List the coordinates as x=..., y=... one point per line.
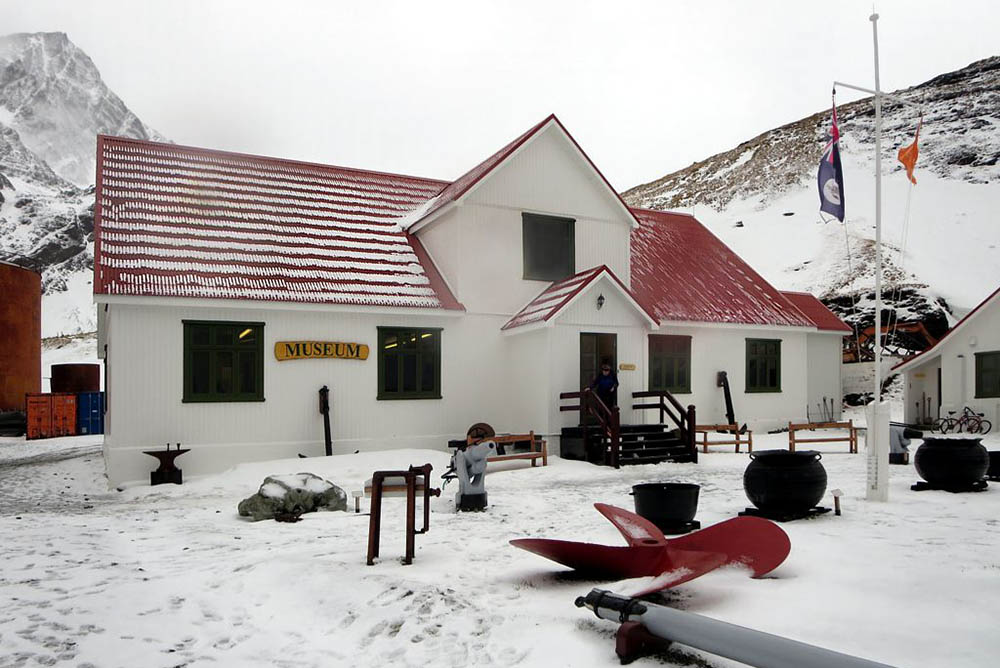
x=668, y=406
x=608, y=419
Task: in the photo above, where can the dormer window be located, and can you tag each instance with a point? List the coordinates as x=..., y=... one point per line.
x=549, y=247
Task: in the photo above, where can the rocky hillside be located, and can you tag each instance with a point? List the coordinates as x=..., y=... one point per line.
x=53, y=104
x=940, y=237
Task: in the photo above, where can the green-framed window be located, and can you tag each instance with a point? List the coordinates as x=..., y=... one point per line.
x=763, y=365
x=409, y=363
x=670, y=363
x=549, y=246
x=223, y=361
x=988, y=375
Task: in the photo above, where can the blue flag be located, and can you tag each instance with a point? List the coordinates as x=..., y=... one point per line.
x=831, y=176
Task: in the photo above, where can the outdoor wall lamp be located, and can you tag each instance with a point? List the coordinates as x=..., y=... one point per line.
x=600, y=302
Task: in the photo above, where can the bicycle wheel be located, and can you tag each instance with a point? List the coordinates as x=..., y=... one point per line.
x=973, y=425
x=946, y=424
x=985, y=426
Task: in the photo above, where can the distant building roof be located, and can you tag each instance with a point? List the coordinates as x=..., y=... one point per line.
x=175, y=221
x=933, y=351
x=824, y=319
x=684, y=272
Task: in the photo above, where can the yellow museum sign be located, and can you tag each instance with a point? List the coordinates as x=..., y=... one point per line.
x=299, y=350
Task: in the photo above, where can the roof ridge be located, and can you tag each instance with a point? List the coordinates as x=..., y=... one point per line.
x=185, y=148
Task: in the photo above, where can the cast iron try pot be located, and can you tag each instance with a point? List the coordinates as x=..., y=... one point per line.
x=952, y=462
x=785, y=483
x=666, y=504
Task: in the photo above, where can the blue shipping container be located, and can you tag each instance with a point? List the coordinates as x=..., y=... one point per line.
x=90, y=413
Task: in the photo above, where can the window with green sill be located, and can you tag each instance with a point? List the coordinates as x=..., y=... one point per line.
x=763, y=365
x=988, y=375
x=670, y=363
x=223, y=361
x=409, y=363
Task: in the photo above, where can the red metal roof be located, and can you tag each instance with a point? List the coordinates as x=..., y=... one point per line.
x=824, y=319
x=176, y=221
x=557, y=296
x=684, y=272
x=960, y=323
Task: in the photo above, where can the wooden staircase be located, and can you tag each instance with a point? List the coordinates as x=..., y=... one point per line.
x=605, y=441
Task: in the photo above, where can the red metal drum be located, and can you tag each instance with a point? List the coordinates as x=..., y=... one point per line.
x=21, y=334
x=76, y=378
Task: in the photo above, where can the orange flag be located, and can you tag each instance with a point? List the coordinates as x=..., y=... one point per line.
x=908, y=154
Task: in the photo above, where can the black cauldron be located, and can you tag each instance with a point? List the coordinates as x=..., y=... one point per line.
x=784, y=483
x=669, y=505
x=952, y=463
x=993, y=473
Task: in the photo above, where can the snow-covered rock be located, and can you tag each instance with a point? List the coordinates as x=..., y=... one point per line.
x=288, y=496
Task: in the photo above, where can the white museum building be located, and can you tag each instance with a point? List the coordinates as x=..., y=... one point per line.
x=231, y=288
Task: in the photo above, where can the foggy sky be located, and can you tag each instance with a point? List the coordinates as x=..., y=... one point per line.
x=432, y=88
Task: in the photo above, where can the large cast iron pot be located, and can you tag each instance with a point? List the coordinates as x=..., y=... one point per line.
x=955, y=462
x=666, y=504
x=780, y=482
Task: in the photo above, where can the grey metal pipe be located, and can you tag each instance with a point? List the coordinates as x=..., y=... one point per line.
x=754, y=648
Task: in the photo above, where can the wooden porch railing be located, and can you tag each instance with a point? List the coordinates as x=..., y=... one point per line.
x=608, y=418
x=670, y=407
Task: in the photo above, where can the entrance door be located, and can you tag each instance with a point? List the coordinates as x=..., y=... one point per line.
x=595, y=350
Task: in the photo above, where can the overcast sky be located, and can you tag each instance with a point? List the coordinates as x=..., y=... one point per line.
x=432, y=88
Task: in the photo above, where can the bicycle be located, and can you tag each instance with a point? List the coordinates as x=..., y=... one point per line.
x=970, y=421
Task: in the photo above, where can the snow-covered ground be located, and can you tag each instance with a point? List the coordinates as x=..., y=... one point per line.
x=171, y=576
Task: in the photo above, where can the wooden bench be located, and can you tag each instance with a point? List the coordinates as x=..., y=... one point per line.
x=734, y=433
x=539, y=449
x=851, y=439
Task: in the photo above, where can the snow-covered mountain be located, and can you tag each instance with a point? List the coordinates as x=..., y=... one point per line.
x=761, y=199
x=53, y=104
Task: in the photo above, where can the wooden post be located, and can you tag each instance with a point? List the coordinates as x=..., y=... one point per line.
x=374, y=521
x=411, y=512
x=692, y=445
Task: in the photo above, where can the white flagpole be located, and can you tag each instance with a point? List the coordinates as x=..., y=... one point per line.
x=877, y=440
x=878, y=220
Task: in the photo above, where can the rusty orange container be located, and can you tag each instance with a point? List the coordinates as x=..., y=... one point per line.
x=20, y=334
x=75, y=378
x=51, y=415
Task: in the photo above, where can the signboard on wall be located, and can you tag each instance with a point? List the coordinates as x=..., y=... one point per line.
x=299, y=350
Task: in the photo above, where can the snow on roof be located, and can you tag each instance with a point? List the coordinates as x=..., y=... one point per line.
x=811, y=307
x=931, y=352
x=684, y=272
x=175, y=221
x=558, y=296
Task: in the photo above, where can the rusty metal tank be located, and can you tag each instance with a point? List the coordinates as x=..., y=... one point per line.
x=20, y=335
x=76, y=378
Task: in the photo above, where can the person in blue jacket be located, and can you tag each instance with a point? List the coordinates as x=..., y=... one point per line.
x=605, y=385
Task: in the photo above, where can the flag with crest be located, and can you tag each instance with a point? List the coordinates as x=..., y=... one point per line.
x=831, y=175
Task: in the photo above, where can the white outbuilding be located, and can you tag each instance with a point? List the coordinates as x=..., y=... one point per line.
x=232, y=287
x=961, y=370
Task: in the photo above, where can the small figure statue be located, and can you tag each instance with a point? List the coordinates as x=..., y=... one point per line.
x=470, y=467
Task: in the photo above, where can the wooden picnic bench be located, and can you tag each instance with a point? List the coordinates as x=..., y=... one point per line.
x=732, y=430
x=851, y=438
x=538, y=448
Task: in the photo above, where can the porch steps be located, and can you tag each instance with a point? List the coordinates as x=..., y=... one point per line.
x=640, y=444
